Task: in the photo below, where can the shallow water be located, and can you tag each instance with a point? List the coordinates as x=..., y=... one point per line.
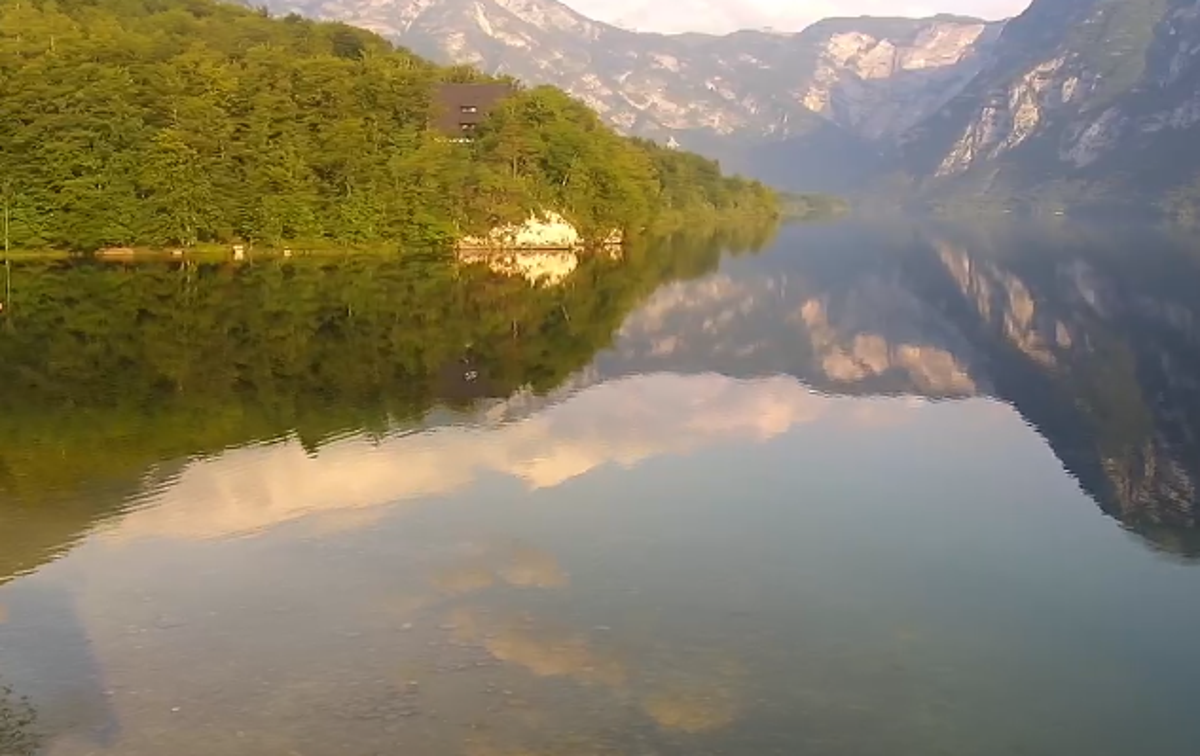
x=892, y=489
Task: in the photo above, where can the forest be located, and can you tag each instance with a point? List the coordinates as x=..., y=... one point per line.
x=180, y=122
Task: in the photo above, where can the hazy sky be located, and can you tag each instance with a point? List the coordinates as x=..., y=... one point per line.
x=785, y=15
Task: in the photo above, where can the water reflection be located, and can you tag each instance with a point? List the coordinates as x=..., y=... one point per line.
x=17, y=722
x=621, y=423
x=62, y=692
x=668, y=504
x=1094, y=344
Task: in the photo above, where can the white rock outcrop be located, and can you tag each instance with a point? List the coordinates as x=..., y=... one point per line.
x=546, y=230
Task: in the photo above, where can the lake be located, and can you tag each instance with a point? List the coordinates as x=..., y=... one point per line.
x=862, y=489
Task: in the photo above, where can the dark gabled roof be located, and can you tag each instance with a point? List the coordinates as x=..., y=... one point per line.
x=459, y=108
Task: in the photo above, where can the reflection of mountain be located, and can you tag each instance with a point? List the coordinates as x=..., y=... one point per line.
x=850, y=326
x=1097, y=350
x=1096, y=347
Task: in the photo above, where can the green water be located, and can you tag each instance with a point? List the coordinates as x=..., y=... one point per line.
x=858, y=490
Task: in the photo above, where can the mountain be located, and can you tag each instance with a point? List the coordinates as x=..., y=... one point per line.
x=1073, y=101
x=830, y=100
x=1080, y=101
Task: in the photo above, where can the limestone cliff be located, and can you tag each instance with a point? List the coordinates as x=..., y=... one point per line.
x=1082, y=101
x=843, y=87
x=1072, y=101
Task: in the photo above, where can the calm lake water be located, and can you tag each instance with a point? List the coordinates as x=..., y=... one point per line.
x=862, y=490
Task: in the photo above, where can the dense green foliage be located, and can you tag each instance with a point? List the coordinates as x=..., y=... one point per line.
x=156, y=122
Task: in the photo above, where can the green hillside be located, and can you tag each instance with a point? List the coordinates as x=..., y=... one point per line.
x=174, y=122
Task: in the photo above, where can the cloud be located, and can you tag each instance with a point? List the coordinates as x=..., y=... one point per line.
x=720, y=16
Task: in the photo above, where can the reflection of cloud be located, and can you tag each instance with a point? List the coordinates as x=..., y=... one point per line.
x=622, y=422
x=692, y=710
x=462, y=579
x=532, y=568
x=699, y=695
x=331, y=523
x=716, y=301
x=850, y=359
x=545, y=653
x=520, y=566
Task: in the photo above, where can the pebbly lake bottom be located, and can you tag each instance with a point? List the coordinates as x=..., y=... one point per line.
x=689, y=547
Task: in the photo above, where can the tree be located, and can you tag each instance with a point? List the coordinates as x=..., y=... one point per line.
x=181, y=121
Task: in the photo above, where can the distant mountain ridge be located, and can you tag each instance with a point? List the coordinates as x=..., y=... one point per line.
x=1073, y=101
x=847, y=87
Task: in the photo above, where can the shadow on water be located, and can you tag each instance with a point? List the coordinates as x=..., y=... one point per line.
x=57, y=686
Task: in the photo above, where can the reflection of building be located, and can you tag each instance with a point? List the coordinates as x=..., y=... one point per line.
x=460, y=108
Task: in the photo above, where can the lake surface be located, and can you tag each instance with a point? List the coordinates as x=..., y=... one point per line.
x=859, y=489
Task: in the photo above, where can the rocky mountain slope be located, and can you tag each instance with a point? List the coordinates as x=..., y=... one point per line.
x=846, y=88
x=1073, y=101
x=1081, y=100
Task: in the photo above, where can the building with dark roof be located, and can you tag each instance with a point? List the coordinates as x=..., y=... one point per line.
x=460, y=108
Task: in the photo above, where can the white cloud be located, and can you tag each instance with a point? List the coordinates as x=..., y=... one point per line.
x=720, y=16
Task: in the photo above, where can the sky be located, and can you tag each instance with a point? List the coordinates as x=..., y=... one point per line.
x=719, y=16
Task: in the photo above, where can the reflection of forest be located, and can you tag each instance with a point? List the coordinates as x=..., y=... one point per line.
x=116, y=374
x=112, y=371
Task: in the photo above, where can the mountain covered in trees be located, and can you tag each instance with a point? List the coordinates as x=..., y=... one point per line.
x=157, y=122
x=1072, y=102
x=815, y=109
